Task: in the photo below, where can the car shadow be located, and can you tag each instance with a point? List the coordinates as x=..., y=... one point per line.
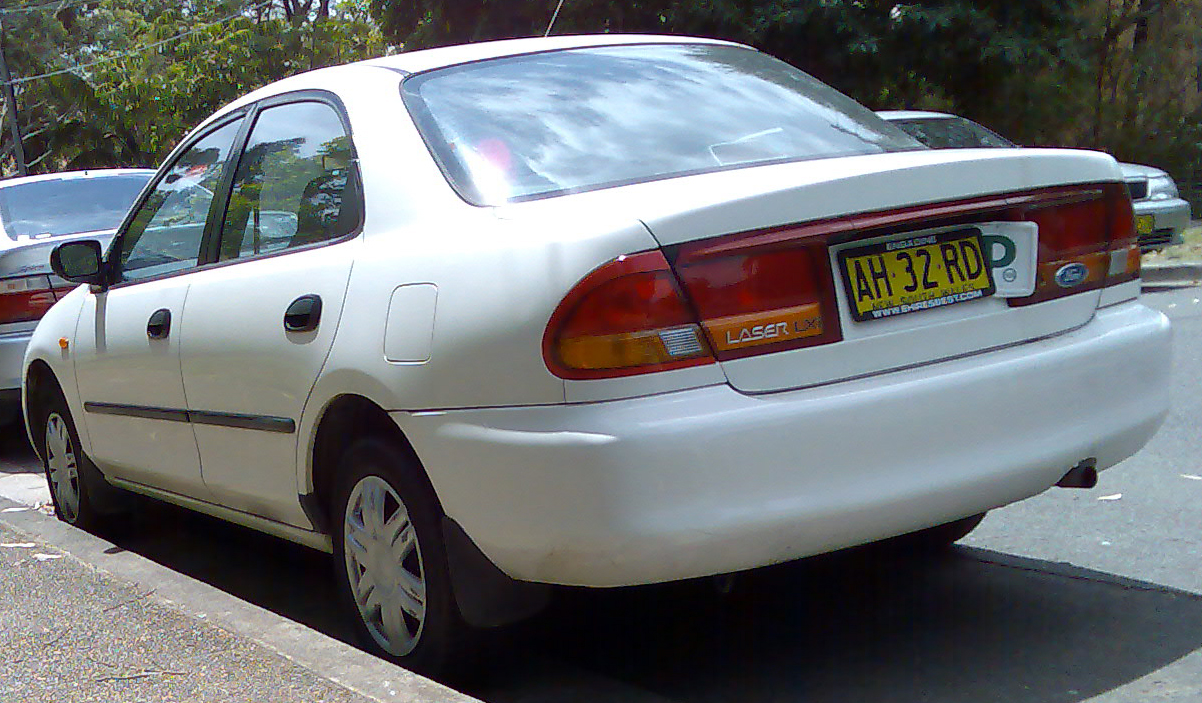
x=16, y=455
x=879, y=623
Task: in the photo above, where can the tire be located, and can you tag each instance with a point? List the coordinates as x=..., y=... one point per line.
x=391, y=562
x=942, y=536
x=74, y=481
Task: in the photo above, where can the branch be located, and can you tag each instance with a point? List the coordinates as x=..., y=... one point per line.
x=142, y=675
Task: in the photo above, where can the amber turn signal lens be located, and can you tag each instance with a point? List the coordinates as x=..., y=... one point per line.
x=627, y=317
x=1086, y=241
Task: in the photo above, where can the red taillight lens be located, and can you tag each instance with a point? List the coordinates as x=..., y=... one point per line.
x=1086, y=240
x=761, y=300
x=25, y=299
x=772, y=290
x=627, y=317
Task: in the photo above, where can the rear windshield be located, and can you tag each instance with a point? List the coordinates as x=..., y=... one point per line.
x=951, y=133
x=546, y=124
x=68, y=206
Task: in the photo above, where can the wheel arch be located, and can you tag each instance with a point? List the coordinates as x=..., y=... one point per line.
x=39, y=380
x=484, y=595
x=343, y=419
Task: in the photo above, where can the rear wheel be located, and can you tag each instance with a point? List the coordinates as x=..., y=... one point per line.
x=392, y=563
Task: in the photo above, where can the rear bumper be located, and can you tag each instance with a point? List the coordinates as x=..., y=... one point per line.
x=1171, y=217
x=709, y=480
x=12, y=356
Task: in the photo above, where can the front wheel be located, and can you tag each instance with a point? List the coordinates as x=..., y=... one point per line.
x=68, y=470
x=392, y=563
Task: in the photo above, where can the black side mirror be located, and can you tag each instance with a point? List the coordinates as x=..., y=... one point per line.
x=79, y=262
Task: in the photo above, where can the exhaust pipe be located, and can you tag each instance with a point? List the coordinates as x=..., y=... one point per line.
x=1083, y=475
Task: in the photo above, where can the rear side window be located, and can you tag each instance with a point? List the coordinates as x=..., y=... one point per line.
x=295, y=183
x=557, y=122
x=952, y=133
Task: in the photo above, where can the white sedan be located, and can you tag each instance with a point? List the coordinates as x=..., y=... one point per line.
x=598, y=311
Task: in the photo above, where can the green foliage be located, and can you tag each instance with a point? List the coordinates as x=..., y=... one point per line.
x=418, y=24
x=1144, y=99
x=133, y=109
x=970, y=57
x=966, y=57
x=1042, y=72
x=1048, y=72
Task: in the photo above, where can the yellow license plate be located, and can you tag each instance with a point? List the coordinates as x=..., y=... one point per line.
x=1144, y=224
x=917, y=273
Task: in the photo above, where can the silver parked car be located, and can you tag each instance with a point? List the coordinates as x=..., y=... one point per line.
x=1160, y=213
x=37, y=213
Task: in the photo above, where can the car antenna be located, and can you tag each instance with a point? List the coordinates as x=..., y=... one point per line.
x=554, y=17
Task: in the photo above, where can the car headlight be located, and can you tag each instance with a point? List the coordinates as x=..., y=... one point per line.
x=1162, y=188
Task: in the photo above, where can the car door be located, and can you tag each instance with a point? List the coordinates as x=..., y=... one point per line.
x=259, y=324
x=126, y=349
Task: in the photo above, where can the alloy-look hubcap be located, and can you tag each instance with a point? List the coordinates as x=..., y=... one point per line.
x=384, y=565
x=63, y=468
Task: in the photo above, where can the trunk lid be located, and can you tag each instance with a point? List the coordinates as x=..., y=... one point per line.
x=881, y=201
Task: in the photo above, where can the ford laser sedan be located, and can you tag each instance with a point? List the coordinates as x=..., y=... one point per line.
x=597, y=311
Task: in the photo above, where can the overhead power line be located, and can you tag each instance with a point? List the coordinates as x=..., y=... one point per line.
x=56, y=6
x=139, y=50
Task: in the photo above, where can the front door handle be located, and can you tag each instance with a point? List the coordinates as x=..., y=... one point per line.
x=159, y=325
x=304, y=314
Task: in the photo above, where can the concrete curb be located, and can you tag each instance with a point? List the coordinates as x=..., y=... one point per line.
x=1172, y=274
x=322, y=655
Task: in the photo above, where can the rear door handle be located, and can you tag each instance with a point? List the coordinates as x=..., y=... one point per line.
x=159, y=325
x=304, y=314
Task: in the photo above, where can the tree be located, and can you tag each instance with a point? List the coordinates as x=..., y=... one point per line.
x=418, y=24
x=141, y=73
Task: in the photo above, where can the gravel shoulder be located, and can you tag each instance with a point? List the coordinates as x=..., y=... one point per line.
x=84, y=620
x=72, y=633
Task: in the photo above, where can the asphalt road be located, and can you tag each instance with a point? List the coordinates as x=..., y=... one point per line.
x=1070, y=596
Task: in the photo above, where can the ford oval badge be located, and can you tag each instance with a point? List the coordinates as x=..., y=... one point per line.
x=1071, y=275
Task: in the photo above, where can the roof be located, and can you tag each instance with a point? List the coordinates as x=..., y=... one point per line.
x=427, y=59
x=430, y=59
x=76, y=175
x=913, y=115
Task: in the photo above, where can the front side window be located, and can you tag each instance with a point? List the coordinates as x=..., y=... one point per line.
x=295, y=183
x=557, y=122
x=166, y=232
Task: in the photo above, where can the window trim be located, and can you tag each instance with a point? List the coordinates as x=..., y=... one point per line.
x=220, y=195
x=210, y=243
x=211, y=247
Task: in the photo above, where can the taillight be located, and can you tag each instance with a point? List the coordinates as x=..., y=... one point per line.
x=1086, y=240
x=26, y=299
x=761, y=299
x=627, y=317
x=764, y=291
